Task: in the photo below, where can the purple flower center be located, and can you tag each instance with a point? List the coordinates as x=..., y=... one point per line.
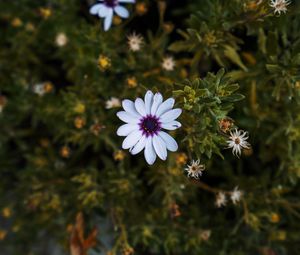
x=111, y=3
x=150, y=125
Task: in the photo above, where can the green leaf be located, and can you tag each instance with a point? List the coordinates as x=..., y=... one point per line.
x=262, y=41
x=273, y=68
x=232, y=54
x=177, y=93
x=180, y=46
x=233, y=98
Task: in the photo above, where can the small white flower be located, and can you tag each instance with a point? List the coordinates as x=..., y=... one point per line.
x=195, y=169
x=113, y=102
x=221, y=199
x=135, y=42
x=205, y=234
x=61, y=39
x=168, y=64
x=236, y=195
x=39, y=89
x=182, y=186
x=279, y=5
x=145, y=120
x=106, y=8
x=237, y=141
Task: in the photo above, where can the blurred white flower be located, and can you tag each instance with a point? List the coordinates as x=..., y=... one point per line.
x=205, y=234
x=145, y=120
x=236, y=195
x=113, y=102
x=168, y=64
x=221, y=199
x=106, y=8
x=61, y=39
x=39, y=89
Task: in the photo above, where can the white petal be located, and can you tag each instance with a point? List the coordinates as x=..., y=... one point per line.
x=171, y=125
x=129, y=107
x=126, y=1
x=149, y=152
x=103, y=11
x=160, y=147
x=126, y=117
x=157, y=100
x=108, y=19
x=121, y=11
x=95, y=9
x=132, y=139
x=126, y=129
x=170, y=115
x=165, y=106
x=139, y=146
x=169, y=140
x=140, y=106
x=148, y=101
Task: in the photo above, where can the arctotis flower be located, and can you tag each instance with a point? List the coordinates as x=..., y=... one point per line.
x=106, y=8
x=237, y=141
x=145, y=121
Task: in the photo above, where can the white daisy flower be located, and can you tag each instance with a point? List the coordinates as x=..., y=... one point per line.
x=113, y=102
x=279, y=5
x=106, y=8
x=221, y=199
x=61, y=39
x=195, y=169
x=145, y=120
x=237, y=141
x=168, y=64
x=135, y=42
x=236, y=195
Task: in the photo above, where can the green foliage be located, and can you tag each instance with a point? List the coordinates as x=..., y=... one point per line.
x=237, y=66
x=206, y=101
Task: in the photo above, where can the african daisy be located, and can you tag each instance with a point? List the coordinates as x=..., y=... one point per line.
x=106, y=8
x=145, y=121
